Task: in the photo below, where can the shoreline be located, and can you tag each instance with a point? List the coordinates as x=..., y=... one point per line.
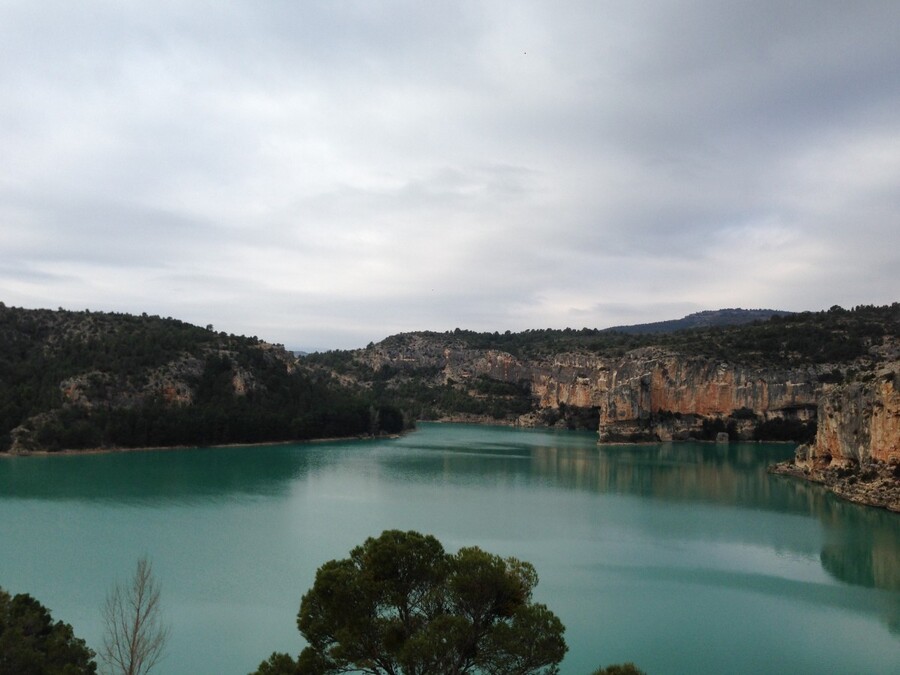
x=874, y=485
x=70, y=452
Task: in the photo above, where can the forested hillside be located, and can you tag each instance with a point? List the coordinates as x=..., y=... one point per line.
x=91, y=379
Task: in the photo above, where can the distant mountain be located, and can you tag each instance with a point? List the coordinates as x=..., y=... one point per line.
x=705, y=319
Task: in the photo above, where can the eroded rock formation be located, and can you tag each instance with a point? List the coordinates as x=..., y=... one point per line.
x=856, y=453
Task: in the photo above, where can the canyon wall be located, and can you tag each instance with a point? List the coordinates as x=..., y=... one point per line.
x=646, y=394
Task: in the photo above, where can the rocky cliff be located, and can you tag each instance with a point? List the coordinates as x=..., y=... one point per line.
x=644, y=395
x=763, y=381
x=662, y=395
x=860, y=422
x=856, y=453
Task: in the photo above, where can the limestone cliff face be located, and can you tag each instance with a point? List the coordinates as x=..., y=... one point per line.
x=857, y=450
x=650, y=392
x=860, y=421
x=646, y=394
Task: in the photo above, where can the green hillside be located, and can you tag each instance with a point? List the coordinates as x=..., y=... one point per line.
x=91, y=379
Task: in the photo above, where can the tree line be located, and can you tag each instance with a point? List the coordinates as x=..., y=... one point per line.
x=836, y=336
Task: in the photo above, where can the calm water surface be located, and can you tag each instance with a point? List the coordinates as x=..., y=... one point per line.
x=684, y=558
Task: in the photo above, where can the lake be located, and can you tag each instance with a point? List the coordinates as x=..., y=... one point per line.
x=684, y=558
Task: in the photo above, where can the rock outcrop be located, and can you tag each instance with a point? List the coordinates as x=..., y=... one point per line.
x=655, y=395
x=860, y=422
x=856, y=454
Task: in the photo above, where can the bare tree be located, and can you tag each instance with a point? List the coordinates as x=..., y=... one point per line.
x=135, y=635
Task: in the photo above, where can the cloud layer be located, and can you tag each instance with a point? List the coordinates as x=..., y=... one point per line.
x=327, y=173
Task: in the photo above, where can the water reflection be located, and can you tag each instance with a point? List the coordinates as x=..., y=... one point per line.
x=729, y=474
x=698, y=532
x=862, y=544
x=186, y=475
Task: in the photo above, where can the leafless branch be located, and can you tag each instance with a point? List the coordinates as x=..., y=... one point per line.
x=135, y=635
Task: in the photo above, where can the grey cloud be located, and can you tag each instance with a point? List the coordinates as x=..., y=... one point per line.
x=323, y=169
x=111, y=233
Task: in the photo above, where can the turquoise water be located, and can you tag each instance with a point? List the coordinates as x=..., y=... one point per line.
x=684, y=558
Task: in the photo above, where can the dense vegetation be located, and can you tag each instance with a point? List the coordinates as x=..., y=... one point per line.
x=148, y=381
x=31, y=642
x=482, y=397
x=399, y=605
x=705, y=319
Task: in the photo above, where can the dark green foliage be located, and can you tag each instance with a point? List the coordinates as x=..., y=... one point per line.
x=401, y=605
x=390, y=419
x=711, y=427
x=580, y=418
x=794, y=340
x=412, y=378
x=280, y=664
x=620, y=669
x=415, y=392
x=32, y=644
x=114, y=357
x=490, y=387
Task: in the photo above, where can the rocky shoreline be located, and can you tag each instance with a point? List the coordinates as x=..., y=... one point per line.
x=873, y=483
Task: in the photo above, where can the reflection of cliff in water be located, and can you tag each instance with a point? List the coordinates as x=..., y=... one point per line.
x=865, y=549
x=732, y=474
x=862, y=544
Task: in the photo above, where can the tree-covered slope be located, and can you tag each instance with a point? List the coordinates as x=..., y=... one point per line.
x=93, y=379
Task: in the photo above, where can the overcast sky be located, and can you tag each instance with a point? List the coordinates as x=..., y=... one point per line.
x=323, y=174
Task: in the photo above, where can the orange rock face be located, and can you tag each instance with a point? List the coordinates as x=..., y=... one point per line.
x=641, y=387
x=629, y=392
x=861, y=420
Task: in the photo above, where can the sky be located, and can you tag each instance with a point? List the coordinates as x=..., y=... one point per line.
x=326, y=174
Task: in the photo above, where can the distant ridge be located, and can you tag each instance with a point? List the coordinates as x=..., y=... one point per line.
x=706, y=319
